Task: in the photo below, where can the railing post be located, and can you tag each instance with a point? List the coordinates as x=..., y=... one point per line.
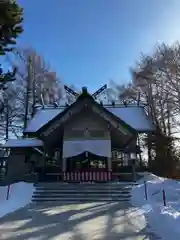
x=8, y=190
x=164, y=197
x=145, y=190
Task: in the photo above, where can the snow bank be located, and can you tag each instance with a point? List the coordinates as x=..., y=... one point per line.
x=20, y=194
x=164, y=220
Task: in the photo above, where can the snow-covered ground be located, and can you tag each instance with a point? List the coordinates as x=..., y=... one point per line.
x=163, y=220
x=20, y=194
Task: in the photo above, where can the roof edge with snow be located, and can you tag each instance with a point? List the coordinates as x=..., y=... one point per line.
x=23, y=143
x=133, y=116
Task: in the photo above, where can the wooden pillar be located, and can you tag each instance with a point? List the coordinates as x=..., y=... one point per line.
x=64, y=164
x=43, y=173
x=133, y=163
x=109, y=163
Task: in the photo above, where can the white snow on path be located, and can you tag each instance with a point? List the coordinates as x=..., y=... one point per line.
x=76, y=221
x=163, y=220
x=20, y=194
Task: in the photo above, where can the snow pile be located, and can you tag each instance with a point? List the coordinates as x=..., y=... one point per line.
x=20, y=194
x=164, y=220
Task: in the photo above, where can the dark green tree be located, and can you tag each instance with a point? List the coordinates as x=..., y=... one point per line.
x=10, y=28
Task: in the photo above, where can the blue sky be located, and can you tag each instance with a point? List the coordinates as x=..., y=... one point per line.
x=89, y=42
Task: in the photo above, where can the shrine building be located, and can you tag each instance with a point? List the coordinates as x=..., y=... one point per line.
x=83, y=141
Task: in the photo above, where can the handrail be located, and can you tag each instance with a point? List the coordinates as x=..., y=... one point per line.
x=156, y=192
x=42, y=153
x=145, y=190
x=153, y=194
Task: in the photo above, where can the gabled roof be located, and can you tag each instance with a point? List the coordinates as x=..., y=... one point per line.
x=83, y=102
x=133, y=116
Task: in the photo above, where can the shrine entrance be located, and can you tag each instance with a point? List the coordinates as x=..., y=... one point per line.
x=87, y=167
x=86, y=162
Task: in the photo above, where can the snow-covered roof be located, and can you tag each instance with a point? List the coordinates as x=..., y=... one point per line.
x=42, y=117
x=134, y=116
x=23, y=142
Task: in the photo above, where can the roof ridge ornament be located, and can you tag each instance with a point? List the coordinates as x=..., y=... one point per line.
x=100, y=90
x=85, y=91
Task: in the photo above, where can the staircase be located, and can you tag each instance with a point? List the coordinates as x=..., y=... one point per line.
x=69, y=192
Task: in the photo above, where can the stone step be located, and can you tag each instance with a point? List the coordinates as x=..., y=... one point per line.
x=89, y=191
x=82, y=192
x=84, y=184
x=74, y=186
x=83, y=189
x=80, y=195
x=43, y=184
x=66, y=200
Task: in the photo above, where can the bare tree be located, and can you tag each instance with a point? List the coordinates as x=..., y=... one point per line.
x=35, y=84
x=155, y=82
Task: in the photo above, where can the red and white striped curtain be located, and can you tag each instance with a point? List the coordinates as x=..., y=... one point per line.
x=87, y=176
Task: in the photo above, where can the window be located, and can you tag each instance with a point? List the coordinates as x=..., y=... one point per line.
x=121, y=158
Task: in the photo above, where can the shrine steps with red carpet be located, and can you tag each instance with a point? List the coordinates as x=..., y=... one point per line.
x=79, y=192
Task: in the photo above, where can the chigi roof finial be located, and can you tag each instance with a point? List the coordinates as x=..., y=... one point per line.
x=84, y=90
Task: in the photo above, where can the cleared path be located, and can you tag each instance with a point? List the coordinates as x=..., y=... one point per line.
x=85, y=221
